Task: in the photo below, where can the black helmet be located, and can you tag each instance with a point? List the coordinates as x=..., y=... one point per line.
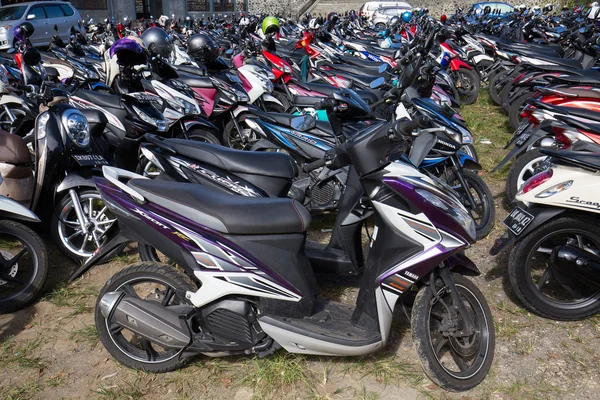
x=204, y=46
x=32, y=56
x=26, y=29
x=333, y=18
x=157, y=42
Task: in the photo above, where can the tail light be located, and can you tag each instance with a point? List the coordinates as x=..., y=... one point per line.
x=518, y=78
x=561, y=137
x=528, y=114
x=536, y=181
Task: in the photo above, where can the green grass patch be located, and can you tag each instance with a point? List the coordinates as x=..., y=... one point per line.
x=88, y=334
x=73, y=297
x=23, y=392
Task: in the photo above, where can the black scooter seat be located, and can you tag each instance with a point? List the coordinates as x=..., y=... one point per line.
x=100, y=99
x=277, y=165
x=226, y=213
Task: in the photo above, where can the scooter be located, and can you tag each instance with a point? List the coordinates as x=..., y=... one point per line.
x=554, y=265
x=23, y=254
x=250, y=302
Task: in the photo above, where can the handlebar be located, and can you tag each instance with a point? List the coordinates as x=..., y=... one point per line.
x=404, y=128
x=313, y=165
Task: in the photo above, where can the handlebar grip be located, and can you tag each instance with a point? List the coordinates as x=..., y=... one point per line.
x=405, y=127
x=313, y=165
x=25, y=88
x=324, y=104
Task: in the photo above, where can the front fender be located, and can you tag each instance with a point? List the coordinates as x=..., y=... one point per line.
x=13, y=210
x=460, y=263
x=271, y=99
x=456, y=64
x=75, y=180
x=467, y=162
x=190, y=123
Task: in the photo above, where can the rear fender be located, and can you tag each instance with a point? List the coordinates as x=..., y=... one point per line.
x=521, y=147
x=456, y=64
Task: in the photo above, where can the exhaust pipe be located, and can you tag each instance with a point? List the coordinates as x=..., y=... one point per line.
x=574, y=263
x=148, y=319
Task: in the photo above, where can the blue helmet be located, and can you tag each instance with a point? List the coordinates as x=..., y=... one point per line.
x=406, y=16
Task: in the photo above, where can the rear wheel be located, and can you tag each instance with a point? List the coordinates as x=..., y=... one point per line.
x=153, y=283
x=522, y=169
x=516, y=107
x=540, y=286
x=23, y=266
x=452, y=360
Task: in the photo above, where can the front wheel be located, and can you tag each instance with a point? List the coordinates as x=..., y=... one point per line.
x=453, y=360
x=76, y=240
x=542, y=288
x=199, y=135
x=23, y=266
x=484, y=212
x=467, y=83
x=233, y=138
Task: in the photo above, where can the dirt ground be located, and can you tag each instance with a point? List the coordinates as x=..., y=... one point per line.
x=50, y=350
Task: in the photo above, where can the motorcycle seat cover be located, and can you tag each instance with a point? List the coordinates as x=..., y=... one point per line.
x=584, y=159
x=277, y=165
x=226, y=213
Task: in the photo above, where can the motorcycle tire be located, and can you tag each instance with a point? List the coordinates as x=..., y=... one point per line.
x=431, y=345
x=63, y=204
x=199, y=135
x=139, y=353
x=521, y=170
x=467, y=83
x=516, y=107
x=482, y=195
x=496, y=85
x=529, y=292
x=39, y=263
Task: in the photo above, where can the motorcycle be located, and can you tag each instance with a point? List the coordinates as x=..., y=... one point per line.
x=554, y=264
x=250, y=302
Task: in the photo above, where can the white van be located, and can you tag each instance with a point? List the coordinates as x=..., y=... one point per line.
x=370, y=7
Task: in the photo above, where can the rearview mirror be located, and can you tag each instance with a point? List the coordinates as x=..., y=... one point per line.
x=377, y=82
x=383, y=68
x=30, y=16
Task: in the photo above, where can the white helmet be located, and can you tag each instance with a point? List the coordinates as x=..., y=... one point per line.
x=594, y=12
x=313, y=24
x=162, y=21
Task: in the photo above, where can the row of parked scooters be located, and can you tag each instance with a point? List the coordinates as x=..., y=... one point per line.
x=211, y=150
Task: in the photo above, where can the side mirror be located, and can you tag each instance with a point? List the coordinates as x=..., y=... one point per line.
x=30, y=16
x=383, y=68
x=377, y=82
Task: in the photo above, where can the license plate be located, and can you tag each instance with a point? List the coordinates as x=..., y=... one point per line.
x=89, y=160
x=523, y=139
x=518, y=220
x=524, y=125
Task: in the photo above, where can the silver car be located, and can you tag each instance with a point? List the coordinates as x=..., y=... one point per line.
x=383, y=15
x=43, y=15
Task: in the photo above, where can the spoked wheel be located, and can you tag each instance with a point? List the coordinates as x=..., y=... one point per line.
x=453, y=359
x=11, y=119
x=74, y=240
x=539, y=285
x=233, y=138
x=23, y=266
x=484, y=212
x=521, y=170
x=153, y=283
x=467, y=83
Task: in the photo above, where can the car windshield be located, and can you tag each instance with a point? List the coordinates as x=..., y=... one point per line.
x=11, y=13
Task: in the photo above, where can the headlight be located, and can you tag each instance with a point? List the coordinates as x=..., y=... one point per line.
x=77, y=127
x=92, y=74
x=160, y=124
x=242, y=96
x=5, y=28
x=454, y=210
x=270, y=75
x=189, y=107
x=176, y=105
x=41, y=125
